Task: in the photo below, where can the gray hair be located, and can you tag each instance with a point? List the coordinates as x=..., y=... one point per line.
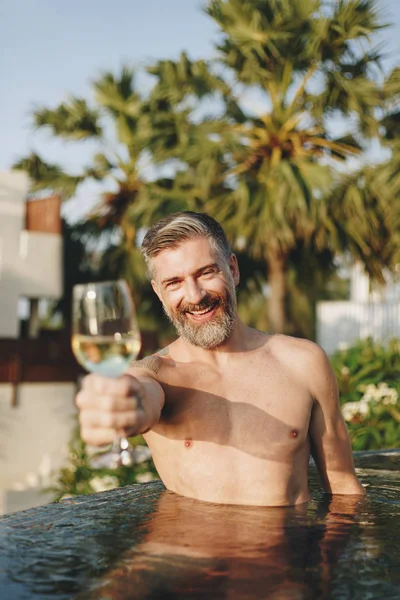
x=169, y=232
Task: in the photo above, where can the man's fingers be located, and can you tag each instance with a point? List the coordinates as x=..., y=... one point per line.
x=116, y=403
x=107, y=406
x=89, y=401
x=98, y=437
x=122, y=386
x=108, y=420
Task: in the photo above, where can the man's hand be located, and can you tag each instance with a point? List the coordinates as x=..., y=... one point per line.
x=126, y=406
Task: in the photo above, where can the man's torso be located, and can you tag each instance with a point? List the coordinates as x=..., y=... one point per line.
x=237, y=435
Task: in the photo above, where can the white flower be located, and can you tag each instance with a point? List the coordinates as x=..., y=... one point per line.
x=363, y=408
x=351, y=409
x=101, y=484
x=373, y=396
x=391, y=399
x=381, y=394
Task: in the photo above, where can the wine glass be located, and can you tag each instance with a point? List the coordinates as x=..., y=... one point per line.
x=105, y=340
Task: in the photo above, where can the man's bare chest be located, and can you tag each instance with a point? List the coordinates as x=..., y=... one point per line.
x=238, y=407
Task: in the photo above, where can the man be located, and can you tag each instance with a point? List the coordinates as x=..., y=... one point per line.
x=230, y=414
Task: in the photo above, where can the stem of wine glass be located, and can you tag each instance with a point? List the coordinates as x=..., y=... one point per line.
x=122, y=452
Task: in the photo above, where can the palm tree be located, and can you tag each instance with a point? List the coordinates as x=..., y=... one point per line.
x=123, y=115
x=184, y=140
x=156, y=130
x=308, y=64
x=132, y=132
x=371, y=234
x=275, y=179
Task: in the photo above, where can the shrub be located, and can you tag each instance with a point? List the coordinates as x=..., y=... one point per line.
x=369, y=382
x=80, y=477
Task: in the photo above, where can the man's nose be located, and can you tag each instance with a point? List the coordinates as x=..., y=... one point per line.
x=194, y=292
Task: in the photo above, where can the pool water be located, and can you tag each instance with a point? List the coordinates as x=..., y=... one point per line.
x=145, y=542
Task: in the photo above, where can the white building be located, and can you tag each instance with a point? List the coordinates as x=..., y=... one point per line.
x=36, y=417
x=30, y=261
x=370, y=312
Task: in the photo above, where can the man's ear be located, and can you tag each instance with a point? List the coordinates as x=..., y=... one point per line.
x=155, y=288
x=234, y=269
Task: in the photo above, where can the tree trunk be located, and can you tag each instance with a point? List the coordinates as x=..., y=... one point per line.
x=277, y=299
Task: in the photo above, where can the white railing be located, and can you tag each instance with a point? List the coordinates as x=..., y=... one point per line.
x=340, y=324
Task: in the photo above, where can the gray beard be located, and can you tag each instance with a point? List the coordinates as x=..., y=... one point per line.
x=210, y=334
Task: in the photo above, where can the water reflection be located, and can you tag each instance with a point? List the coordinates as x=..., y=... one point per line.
x=144, y=542
x=193, y=549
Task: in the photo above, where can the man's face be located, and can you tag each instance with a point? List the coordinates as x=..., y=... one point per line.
x=197, y=289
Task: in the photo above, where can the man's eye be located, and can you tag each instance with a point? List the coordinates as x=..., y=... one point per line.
x=172, y=284
x=209, y=272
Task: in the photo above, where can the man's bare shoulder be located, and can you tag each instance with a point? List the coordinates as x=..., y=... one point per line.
x=151, y=365
x=300, y=354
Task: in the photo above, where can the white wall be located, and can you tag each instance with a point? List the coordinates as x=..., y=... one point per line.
x=34, y=435
x=340, y=324
x=359, y=284
x=30, y=262
x=40, y=264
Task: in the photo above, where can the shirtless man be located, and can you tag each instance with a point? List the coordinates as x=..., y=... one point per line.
x=230, y=414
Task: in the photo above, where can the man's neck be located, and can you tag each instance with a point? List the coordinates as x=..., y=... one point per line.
x=239, y=341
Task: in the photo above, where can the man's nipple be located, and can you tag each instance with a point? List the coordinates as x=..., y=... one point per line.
x=293, y=433
x=188, y=443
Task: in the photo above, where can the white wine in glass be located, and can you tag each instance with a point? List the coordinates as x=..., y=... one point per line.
x=105, y=340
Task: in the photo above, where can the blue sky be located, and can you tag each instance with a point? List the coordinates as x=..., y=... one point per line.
x=52, y=48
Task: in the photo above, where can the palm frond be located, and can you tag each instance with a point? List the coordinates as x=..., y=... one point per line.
x=183, y=78
x=117, y=94
x=46, y=176
x=72, y=120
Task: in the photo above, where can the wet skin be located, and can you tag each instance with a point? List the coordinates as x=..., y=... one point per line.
x=238, y=444
x=233, y=424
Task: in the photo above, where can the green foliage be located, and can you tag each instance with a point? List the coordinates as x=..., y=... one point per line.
x=275, y=176
x=286, y=192
x=369, y=384
x=370, y=233
x=78, y=477
x=46, y=176
x=73, y=120
x=311, y=276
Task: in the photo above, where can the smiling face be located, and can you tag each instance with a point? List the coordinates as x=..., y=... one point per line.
x=197, y=289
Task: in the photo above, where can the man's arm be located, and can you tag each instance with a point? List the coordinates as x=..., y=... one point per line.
x=146, y=371
x=129, y=405
x=330, y=444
